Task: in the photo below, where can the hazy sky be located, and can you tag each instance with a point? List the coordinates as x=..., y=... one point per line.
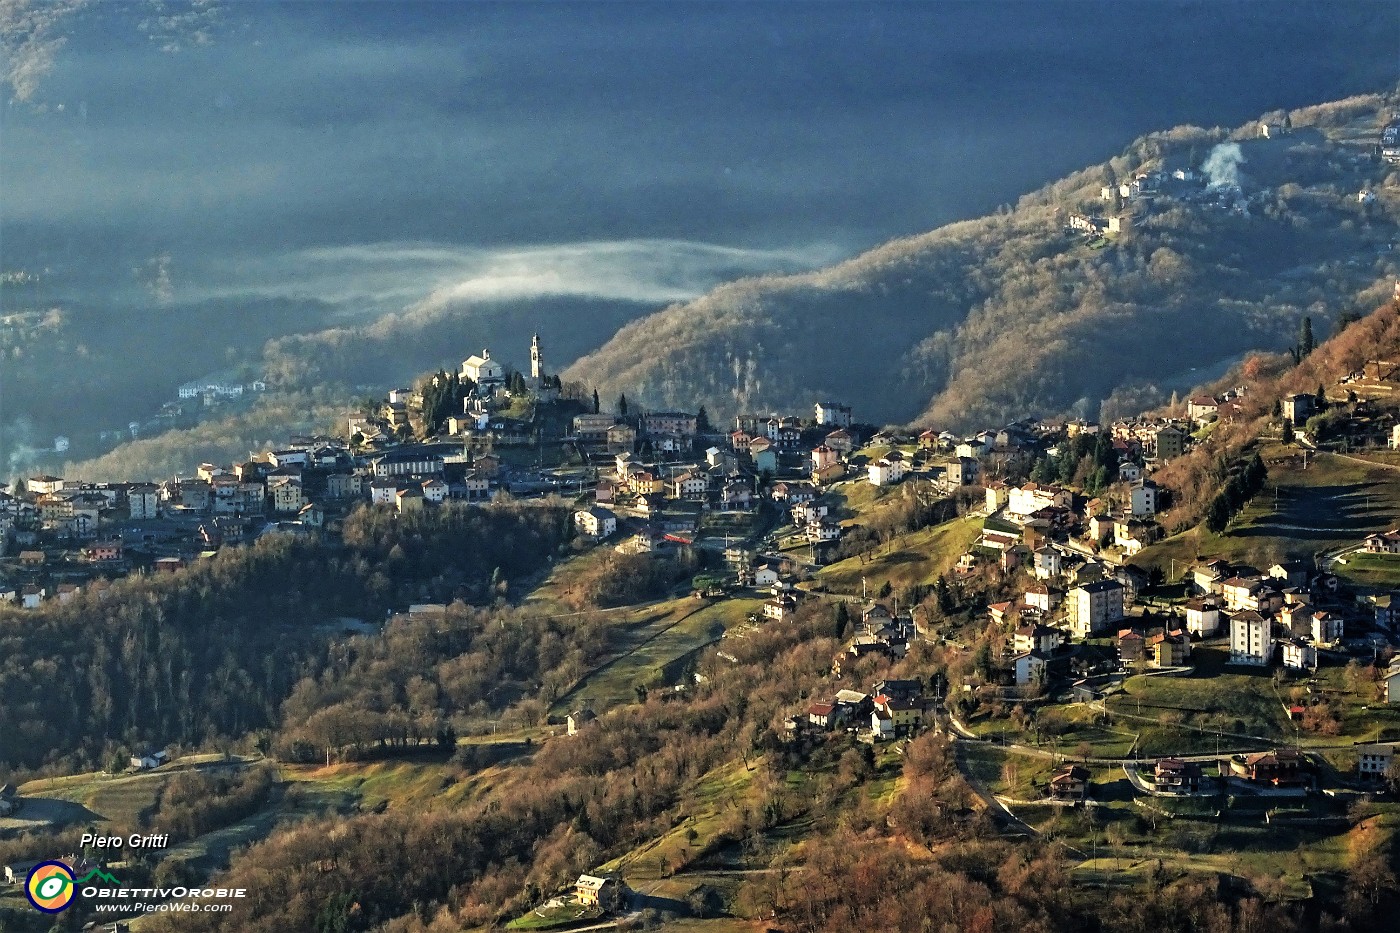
x=244, y=131
x=355, y=158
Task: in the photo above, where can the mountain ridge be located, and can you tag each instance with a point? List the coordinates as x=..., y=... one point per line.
x=994, y=317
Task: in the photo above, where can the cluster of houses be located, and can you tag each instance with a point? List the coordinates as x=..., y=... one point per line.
x=1273, y=617
x=98, y=528
x=1275, y=769
x=1390, y=143
x=893, y=709
x=88, y=528
x=881, y=631
x=213, y=389
x=1088, y=601
x=764, y=459
x=1285, y=616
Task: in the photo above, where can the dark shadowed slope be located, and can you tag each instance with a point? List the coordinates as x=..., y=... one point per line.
x=1013, y=314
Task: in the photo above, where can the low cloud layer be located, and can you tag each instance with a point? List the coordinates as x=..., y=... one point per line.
x=383, y=276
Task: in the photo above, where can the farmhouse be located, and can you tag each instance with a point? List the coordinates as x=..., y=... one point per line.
x=578, y=719
x=1384, y=543
x=149, y=759
x=1373, y=761
x=1282, y=767
x=606, y=892
x=1392, y=682
x=1299, y=408
x=1070, y=782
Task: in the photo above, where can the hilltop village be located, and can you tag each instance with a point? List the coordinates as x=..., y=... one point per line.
x=648, y=480
x=1162, y=642
x=1064, y=506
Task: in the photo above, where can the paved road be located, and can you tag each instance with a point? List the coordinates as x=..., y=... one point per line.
x=1329, y=559
x=994, y=806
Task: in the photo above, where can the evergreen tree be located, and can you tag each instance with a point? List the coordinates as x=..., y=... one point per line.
x=1320, y=399
x=1305, y=338
x=1287, y=433
x=1218, y=515
x=1255, y=474
x=946, y=603
x=1104, y=454
x=622, y=404
x=843, y=619
x=702, y=421
x=982, y=660
x=596, y=408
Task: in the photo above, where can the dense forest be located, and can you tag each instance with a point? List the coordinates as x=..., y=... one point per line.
x=424, y=678
x=998, y=318
x=213, y=651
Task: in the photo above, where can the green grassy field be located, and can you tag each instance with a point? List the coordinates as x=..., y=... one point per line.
x=1074, y=728
x=709, y=807
x=1016, y=776
x=567, y=913
x=552, y=594
x=655, y=646
x=1380, y=571
x=119, y=799
x=738, y=525
x=920, y=557
x=850, y=500
x=1332, y=503
x=1214, y=697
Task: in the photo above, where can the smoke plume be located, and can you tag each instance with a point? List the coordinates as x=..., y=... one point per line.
x=1222, y=166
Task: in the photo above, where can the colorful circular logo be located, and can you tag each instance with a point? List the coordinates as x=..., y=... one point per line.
x=50, y=887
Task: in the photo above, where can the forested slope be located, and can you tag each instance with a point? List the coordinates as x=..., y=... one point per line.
x=214, y=650
x=1010, y=314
